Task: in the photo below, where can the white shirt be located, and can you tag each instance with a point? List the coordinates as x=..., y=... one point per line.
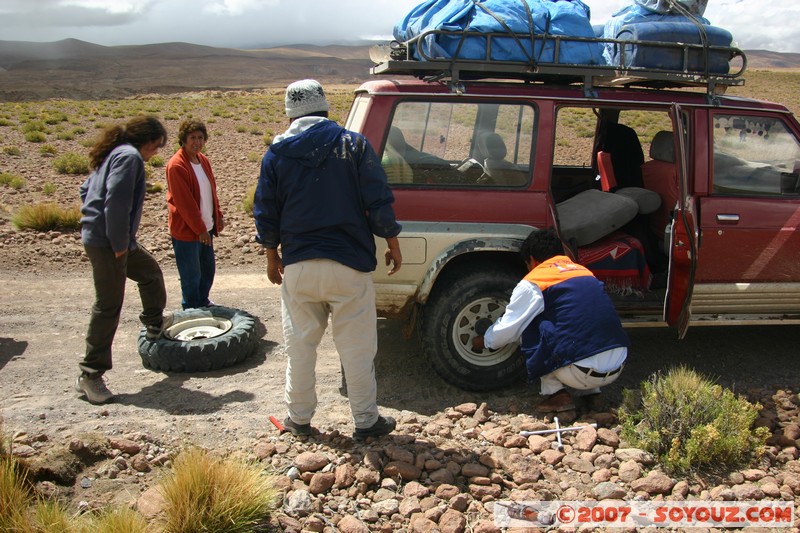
x=526, y=303
x=206, y=196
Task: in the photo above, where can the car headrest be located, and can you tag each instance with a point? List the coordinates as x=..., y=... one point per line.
x=492, y=146
x=663, y=147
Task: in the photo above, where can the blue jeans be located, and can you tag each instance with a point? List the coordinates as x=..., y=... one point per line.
x=196, y=268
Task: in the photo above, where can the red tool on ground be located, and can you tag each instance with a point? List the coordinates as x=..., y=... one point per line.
x=277, y=423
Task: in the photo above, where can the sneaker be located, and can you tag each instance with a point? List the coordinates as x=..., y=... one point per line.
x=298, y=430
x=556, y=403
x=383, y=426
x=94, y=388
x=153, y=333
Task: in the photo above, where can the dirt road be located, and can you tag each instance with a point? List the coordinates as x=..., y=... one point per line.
x=44, y=320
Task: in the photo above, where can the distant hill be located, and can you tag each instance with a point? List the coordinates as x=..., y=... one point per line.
x=80, y=70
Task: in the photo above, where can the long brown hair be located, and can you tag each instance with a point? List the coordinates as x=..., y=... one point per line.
x=138, y=131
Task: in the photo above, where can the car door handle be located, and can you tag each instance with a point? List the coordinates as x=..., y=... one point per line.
x=721, y=217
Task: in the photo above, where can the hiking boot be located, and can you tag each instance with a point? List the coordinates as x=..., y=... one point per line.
x=94, y=388
x=153, y=333
x=556, y=403
x=383, y=426
x=298, y=430
x=595, y=403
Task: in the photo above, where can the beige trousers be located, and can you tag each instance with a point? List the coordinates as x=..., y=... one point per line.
x=311, y=292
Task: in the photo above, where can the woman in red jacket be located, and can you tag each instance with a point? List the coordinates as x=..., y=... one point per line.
x=194, y=214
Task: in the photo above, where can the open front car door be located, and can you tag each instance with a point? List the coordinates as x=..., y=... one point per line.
x=684, y=236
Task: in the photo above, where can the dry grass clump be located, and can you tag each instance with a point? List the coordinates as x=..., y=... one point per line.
x=47, y=216
x=692, y=424
x=205, y=493
x=11, y=180
x=71, y=163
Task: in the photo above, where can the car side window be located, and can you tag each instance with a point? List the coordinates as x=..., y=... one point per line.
x=755, y=156
x=454, y=144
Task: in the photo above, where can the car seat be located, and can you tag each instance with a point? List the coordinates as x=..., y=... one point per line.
x=501, y=171
x=660, y=175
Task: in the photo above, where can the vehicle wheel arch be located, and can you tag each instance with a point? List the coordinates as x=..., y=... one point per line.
x=473, y=254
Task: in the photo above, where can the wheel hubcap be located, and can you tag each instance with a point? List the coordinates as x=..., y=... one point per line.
x=198, y=329
x=464, y=331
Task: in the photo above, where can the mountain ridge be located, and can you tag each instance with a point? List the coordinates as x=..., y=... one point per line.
x=76, y=69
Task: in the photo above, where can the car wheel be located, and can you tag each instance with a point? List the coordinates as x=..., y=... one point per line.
x=448, y=326
x=200, y=340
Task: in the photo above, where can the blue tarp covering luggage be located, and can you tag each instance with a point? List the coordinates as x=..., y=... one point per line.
x=538, y=17
x=665, y=21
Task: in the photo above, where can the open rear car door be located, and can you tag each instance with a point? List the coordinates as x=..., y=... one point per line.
x=684, y=236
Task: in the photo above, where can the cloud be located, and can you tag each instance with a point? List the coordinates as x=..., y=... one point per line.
x=255, y=23
x=69, y=14
x=236, y=7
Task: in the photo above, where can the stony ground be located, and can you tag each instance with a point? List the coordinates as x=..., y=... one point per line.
x=444, y=469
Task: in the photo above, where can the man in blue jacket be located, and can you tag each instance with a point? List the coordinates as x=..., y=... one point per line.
x=322, y=196
x=566, y=324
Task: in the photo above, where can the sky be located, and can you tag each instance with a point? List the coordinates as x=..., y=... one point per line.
x=755, y=24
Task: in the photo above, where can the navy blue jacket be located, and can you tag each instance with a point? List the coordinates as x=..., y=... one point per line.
x=322, y=194
x=578, y=320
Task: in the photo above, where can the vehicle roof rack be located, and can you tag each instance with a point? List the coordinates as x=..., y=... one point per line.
x=413, y=58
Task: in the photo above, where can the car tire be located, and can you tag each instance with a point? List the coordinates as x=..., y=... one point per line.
x=200, y=340
x=448, y=326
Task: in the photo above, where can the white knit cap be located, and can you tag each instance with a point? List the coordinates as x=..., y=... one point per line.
x=305, y=97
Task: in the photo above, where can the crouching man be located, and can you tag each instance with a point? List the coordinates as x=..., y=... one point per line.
x=566, y=324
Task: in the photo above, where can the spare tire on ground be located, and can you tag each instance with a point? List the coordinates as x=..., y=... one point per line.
x=200, y=340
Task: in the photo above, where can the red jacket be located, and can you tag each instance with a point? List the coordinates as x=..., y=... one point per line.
x=183, y=198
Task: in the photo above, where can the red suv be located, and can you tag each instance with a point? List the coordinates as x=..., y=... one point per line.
x=685, y=203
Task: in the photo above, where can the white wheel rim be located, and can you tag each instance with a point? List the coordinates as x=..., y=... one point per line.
x=198, y=329
x=464, y=332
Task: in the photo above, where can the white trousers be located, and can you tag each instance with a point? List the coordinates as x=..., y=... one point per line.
x=311, y=291
x=577, y=379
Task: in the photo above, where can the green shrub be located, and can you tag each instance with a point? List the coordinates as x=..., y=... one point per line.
x=49, y=188
x=690, y=423
x=155, y=187
x=12, y=180
x=5, y=122
x=156, y=161
x=71, y=163
x=254, y=157
x=47, y=149
x=249, y=198
x=35, y=136
x=47, y=216
x=34, y=125
x=12, y=150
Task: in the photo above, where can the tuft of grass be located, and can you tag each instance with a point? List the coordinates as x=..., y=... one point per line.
x=71, y=163
x=12, y=150
x=35, y=136
x=52, y=517
x=254, y=157
x=46, y=217
x=205, y=493
x=156, y=161
x=49, y=188
x=48, y=149
x=118, y=520
x=12, y=180
x=14, y=496
x=249, y=198
x=691, y=423
x=154, y=187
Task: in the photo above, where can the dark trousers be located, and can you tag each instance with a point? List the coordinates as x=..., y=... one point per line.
x=110, y=274
x=196, y=268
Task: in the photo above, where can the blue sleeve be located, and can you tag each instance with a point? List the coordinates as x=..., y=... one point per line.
x=123, y=171
x=376, y=195
x=265, y=205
